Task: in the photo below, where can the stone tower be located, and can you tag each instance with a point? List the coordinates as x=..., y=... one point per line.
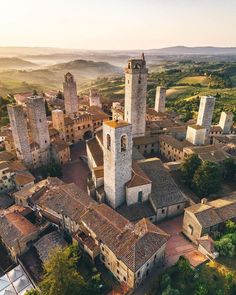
x=205, y=112
x=135, y=95
x=160, y=100
x=117, y=141
x=38, y=125
x=20, y=133
x=58, y=122
x=94, y=98
x=70, y=95
x=226, y=121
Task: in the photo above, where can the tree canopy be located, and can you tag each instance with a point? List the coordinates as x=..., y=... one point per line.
x=189, y=167
x=207, y=179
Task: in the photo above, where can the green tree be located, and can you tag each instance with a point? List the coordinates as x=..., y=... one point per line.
x=60, y=95
x=229, y=168
x=61, y=276
x=32, y=292
x=35, y=92
x=207, y=179
x=225, y=247
x=52, y=169
x=230, y=226
x=170, y=291
x=189, y=167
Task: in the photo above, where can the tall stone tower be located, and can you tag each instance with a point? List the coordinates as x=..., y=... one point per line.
x=160, y=101
x=136, y=95
x=38, y=125
x=226, y=121
x=205, y=112
x=70, y=94
x=117, y=141
x=94, y=98
x=20, y=133
x=58, y=122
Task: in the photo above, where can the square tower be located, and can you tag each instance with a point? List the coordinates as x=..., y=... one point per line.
x=205, y=112
x=58, y=122
x=20, y=133
x=160, y=101
x=94, y=98
x=38, y=125
x=136, y=95
x=226, y=121
x=117, y=141
x=70, y=95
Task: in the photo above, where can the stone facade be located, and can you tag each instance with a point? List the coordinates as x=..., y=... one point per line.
x=135, y=95
x=58, y=122
x=70, y=94
x=196, y=134
x=38, y=126
x=205, y=112
x=226, y=122
x=94, y=98
x=117, y=141
x=20, y=133
x=160, y=100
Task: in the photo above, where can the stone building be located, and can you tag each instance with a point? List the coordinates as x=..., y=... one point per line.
x=38, y=126
x=20, y=133
x=129, y=251
x=205, y=112
x=70, y=95
x=58, y=121
x=143, y=187
x=94, y=98
x=16, y=231
x=160, y=100
x=136, y=95
x=196, y=134
x=117, y=141
x=226, y=122
x=202, y=218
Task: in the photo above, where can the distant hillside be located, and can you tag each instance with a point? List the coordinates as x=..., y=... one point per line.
x=183, y=50
x=15, y=63
x=86, y=68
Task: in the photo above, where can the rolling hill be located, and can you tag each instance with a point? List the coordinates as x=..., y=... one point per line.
x=15, y=63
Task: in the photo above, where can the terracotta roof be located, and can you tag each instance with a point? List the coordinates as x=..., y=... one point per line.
x=215, y=212
x=173, y=142
x=197, y=127
x=59, y=145
x=68, y=121
x=137, y=211
x=14, y=226
x=165, y=192
x=153, y=112
x=216, y=128
x=5, y=156
x=17, y=166
x=95, y=150
x=133, y=244
x=138, y=176
x=53, y=132
x=4, y=165
x=145, y=140
x=48, y=243
x=23, y=178
x=67, y=197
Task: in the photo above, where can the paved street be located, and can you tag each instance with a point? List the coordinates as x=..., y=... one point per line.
x=76, y=171
x=178, y=245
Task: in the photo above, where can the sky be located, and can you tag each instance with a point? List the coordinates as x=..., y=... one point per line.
x=117, y=24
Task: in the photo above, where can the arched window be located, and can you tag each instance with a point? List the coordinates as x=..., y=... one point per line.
x=123, y=143
x=108, y=142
